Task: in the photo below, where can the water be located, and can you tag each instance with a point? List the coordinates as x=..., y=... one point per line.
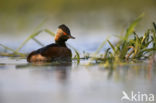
x=91, y=22
x=21, y=82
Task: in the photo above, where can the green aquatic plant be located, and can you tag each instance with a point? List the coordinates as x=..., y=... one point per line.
x=77, y=56
x=29, y=38
x=130, y=47
x=14, y=53
x=32, y=36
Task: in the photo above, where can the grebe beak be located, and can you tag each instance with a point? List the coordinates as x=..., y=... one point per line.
x=71, y=37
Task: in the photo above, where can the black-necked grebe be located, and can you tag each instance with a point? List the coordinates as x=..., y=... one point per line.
x=57, y=51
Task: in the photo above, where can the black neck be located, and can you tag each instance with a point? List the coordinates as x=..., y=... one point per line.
x=61, y=43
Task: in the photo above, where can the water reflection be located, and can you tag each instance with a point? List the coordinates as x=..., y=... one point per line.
x=67, y=83
x=40, y=68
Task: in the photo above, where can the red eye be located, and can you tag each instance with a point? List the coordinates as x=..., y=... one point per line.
x=64, y=33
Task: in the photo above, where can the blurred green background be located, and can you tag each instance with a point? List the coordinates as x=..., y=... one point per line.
x=18, y=16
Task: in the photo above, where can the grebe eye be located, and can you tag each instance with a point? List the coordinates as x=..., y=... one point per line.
x=64, y=33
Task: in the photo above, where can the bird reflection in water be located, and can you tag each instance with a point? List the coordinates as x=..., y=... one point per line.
x=62, y=70
x=58, y=69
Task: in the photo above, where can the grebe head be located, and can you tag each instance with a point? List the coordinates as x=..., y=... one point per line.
x=63, y=34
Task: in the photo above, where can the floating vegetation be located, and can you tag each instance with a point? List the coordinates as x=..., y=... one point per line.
x=130, y=48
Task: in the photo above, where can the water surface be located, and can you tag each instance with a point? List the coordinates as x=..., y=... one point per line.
x=21, y=82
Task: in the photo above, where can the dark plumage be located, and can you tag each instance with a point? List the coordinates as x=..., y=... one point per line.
x=57, y=51
x=64, y=28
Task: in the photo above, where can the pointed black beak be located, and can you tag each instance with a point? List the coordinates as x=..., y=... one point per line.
x=71, y=37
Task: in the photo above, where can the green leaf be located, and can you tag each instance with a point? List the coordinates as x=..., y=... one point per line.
x=30, y=37
x=130, y=29
x=37, y=41
x=7, y=48
x=39, y=25
x=113, y=48
x=124, y=50
x=107, y=53
x=148, y=50
x=14, y=52
x=76, y=52
x=100, y=47
x=49, y=32
x=154, y=25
